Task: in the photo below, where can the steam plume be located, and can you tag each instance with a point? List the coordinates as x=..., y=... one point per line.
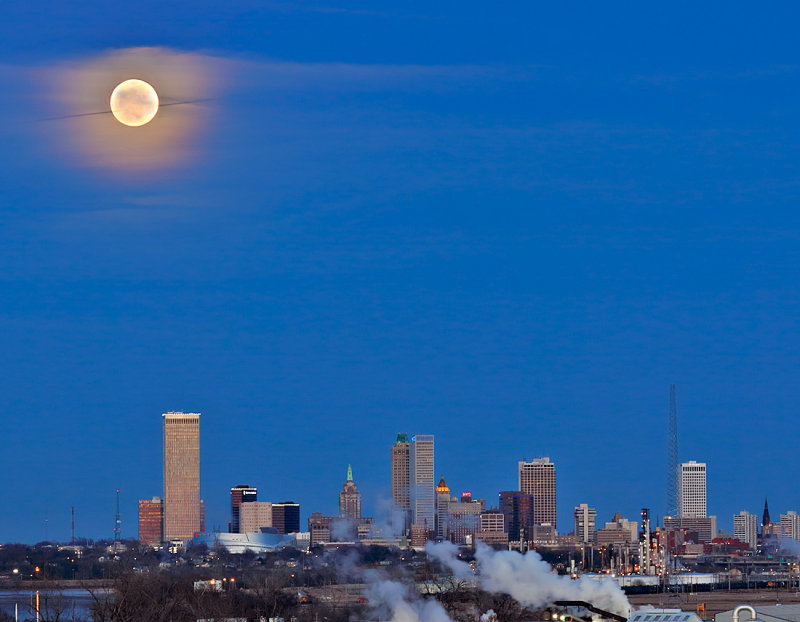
x=529, y=579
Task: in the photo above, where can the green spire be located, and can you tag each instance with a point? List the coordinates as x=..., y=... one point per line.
x=349, y=473
x=401, y=438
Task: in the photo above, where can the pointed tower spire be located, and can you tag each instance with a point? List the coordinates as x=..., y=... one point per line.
x=349, y=473
x=765, y=521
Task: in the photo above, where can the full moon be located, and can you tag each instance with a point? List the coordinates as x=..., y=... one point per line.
x=134, y=102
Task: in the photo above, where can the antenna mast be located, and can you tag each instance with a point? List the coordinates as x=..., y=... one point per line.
x=672, y=455
x=117, y=521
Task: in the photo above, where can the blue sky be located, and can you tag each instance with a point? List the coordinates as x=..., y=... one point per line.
x=510, y=228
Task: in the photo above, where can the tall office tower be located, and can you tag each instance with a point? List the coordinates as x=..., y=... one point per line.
x=423, y=486
x=442, y=508
x=745, y=528
x=286, y=517
x=790, y=525
x=692, y=490
x=538, y=478
x=401, y=478
x=240, y=494
x=585, y=522
x=151, y=512
x=255, y=515
x=350, y=498
x=517, y=509
x=182, y=512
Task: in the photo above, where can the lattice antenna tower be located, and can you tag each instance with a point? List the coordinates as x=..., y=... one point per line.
x=117, y=521
x=672, y=455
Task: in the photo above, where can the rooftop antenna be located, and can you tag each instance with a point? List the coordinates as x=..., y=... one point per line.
x=117, y=521
x=672, y=455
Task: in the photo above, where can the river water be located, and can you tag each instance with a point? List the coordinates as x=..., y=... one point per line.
x=73, y=603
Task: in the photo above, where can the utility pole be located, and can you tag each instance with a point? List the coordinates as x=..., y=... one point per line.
x=73, y=526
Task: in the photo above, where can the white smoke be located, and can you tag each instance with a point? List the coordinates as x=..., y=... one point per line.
x=395, y=602
x=529, y=579
x=489, y=616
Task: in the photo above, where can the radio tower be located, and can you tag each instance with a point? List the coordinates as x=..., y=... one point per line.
x=672, y=455
x=117, y=522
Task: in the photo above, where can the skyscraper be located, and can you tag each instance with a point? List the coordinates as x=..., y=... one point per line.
x=286, y=517
x=349, y=498
x=182, y=511
x=745, y=528
x=692, y=490
x=538, y=478
x=240, y=494
x=423, y=491
x=442, y=508
x=401, y=478
x=254, y=515
x=151, y=513
x=585, y=518
x=517, y=509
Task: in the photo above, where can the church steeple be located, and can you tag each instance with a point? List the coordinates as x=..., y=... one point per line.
x=765, y=521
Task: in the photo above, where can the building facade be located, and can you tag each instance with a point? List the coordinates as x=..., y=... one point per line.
x=442, y=508
x=400, y=468
x=538, y=478
x=151, y=516
x=692, y=490
x=423, y=484
x=350, y=498
x=517, y=510
x=255, y=515
x=240, y=494
x=790, y=525
x=585, y=518
x=705, y=527
x=745, y=528
x=182, y=511
x=464, y=520
x=618, y=531
x=286, y=517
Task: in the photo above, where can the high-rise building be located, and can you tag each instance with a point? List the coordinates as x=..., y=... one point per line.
x=350, y=498
x=182, y=511
x=254, y=515
x=619, y=531
x=464, y=520
x=442, y=508
x=704, y=527
x=151, y=513
x=423, y=484
x=745, y=528
x=401, y=478
x=517, y=509
x=585, y=522
x=286, y=517
x=240, y=494
x=538, y=478
x=692, y=490
x=790, y=525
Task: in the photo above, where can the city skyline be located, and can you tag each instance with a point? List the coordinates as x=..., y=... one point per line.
x=535, y=474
